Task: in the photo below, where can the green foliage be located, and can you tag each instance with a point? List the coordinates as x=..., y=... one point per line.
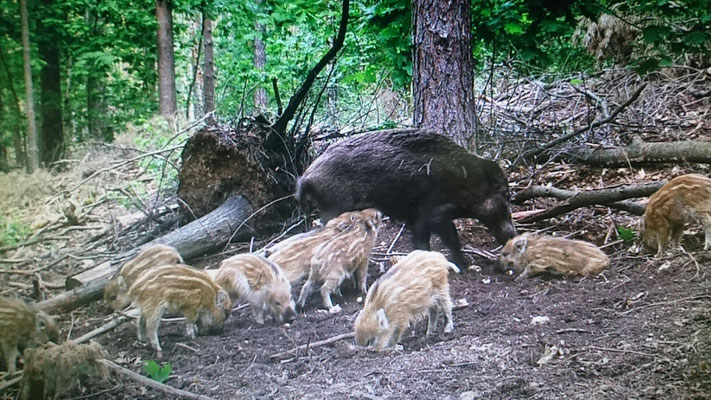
x=13, y=231
x=156, y=372
x=626, y=234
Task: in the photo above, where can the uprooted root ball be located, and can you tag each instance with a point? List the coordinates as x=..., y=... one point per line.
x=55, y=370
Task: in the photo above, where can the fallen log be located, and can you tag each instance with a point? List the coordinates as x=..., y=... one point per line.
x=640, y=152
x=613, y=197
x=212, y=230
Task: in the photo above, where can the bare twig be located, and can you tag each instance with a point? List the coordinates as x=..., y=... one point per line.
x=320, y=343
x=149, y=382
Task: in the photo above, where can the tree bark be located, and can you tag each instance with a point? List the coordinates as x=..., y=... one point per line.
x=260, y=59
x=52, y=130
x=443, y=70
x=639, y=152
x=33, y=153
x=166, y=65
x=228, y=222
x=17, y=142
x=208, y=84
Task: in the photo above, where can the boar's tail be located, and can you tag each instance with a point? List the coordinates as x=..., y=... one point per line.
x=453, y=267
x=303, y=188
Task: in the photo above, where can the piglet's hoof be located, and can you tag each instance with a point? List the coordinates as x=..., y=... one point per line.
x=159, y=355
x=335, y=309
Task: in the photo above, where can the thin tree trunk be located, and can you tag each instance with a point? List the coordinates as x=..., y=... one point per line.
x=17, y=141
x=33, y=163
x=442, y=69
x=52, y=132
x=4, y=166
x=166, y=66
x=260, y=59
x=67, y=101
x=208, y=84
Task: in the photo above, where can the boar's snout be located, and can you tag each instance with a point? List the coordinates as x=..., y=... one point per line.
x=504, y=231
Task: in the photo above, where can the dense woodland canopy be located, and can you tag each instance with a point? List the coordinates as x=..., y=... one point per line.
x=94, y=66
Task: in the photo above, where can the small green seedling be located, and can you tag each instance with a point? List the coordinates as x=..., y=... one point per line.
x=156, y=372
x=626, y=234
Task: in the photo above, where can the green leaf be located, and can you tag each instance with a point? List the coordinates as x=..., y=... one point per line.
x=513, y=28
x=653, y=34
x=626, y=234
x=576, y=81
x=156, y=372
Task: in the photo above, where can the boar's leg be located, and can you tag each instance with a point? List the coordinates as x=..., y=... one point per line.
x=328, y=287
x=432, y=321
x=446, y=230
x=421, y=234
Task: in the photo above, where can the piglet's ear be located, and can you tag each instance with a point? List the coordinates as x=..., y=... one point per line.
x=382, y=319
x=521, y=244
x=121, y=283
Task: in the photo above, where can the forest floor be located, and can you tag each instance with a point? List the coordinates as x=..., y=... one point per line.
x=642, y=329
x=639, y=330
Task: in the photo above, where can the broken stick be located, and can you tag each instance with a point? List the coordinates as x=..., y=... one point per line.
x=149, y=382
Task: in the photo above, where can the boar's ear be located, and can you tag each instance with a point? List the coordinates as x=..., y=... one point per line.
x=521, y=244
x=382, y=319
x=223, y=299
x=121, y=283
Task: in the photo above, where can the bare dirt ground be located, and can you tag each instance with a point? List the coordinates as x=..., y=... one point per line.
x=642, y=330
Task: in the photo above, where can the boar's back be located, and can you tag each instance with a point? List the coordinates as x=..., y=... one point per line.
x=404, y=173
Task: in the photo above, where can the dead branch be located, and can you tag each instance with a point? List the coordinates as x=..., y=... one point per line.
x=279, y=126
x=537, y=151
x=313, y=344
x=195, y=238
x=640, y=152
x=102, y=329
x=610, y=197
x=149, y=382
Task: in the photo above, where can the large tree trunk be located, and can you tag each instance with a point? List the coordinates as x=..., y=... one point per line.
x=166, y=66
x=208, y=88
x=52, y=131
x=260, y=59
x=227, y=222
x=442, y=69
x=32, y=150
x=17, y=142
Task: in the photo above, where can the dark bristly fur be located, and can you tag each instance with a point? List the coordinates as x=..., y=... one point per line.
x=419, y=177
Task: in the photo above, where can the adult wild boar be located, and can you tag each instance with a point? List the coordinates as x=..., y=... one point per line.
x=416, y=176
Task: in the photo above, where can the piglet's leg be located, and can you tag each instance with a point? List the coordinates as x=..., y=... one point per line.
x=432, y=321
x=11, y=353
x=706, y=221
x=152, y=323
x=142, y=327
x=306, y=292
x=445, y=304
